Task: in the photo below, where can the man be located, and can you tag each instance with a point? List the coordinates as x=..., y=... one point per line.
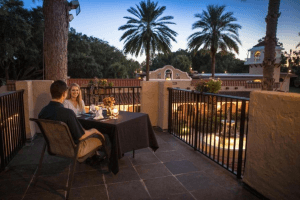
x=56, y=111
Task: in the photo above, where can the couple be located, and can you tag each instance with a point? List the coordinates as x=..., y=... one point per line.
x=55, y=110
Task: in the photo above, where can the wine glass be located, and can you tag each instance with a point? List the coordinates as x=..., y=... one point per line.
x=93, y=109
x=100, y=104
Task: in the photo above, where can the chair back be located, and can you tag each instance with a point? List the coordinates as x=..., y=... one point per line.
x=58, y=137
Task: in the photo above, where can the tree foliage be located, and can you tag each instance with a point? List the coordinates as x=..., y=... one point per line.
x=20, y=40
x=21, y=52
x=218, y=32
x=147, y=32
x=201, y=61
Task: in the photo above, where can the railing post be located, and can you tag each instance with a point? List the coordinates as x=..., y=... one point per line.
x=1, y=138
x=242, y=129
x=133, y=99
x=196, y=122
x=170, y=111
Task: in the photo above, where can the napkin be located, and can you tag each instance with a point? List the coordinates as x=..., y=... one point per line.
x=99, y=114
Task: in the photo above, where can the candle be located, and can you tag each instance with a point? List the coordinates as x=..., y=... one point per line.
x=115, y=111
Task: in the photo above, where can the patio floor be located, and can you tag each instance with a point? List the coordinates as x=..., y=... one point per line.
x=175, y=171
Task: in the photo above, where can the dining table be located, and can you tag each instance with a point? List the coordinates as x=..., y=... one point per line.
x=128, y=132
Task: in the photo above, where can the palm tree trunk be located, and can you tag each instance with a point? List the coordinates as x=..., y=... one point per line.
x=147, y=60
x=213, y=64
x=270, y=45
x=56, y=15
x=6, y=74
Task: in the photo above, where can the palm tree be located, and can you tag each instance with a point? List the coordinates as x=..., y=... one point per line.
x=270, y=45
x=298, y=45
x=218, y=33
x=146, y=32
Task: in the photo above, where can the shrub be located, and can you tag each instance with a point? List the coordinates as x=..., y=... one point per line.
x=214, y=86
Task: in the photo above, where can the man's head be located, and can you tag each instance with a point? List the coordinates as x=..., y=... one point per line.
x=58, y=89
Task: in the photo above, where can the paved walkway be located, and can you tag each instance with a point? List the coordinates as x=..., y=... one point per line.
x=175, y=171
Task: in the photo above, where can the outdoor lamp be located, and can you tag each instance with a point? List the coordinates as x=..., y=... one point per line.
x=74, y=4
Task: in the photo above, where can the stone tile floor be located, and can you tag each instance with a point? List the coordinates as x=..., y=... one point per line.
x=175, y=171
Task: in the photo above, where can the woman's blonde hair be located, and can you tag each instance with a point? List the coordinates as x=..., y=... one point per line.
x=79, y=98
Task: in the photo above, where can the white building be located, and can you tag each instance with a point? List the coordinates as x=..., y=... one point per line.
x=255, y=60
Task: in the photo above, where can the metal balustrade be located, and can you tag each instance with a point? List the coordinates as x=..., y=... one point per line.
x=213, y=124
x=12, y=126
x=126, y=98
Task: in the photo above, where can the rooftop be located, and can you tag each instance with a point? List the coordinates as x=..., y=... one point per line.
x=174, y=171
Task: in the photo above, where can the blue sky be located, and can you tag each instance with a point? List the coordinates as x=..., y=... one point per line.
x=102, y=18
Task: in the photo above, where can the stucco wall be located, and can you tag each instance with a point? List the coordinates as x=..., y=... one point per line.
x=28, y=106
x=41, y=94
x=36, y=96
x=255, y=70
x=3, y=89
x=285, y=86
x=176, y=73
x=163, y=99
x=181, y=84
x=276, y=74
x=149, y=100
x=273, y=164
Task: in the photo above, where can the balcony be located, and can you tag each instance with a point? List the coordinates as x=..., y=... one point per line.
x=174, y=171
x=250, y=61
x=189, y=163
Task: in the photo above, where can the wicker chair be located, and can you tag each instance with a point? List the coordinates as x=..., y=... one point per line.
x=59, y=142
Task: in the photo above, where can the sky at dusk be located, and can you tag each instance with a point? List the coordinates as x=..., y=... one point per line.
x=101, y=19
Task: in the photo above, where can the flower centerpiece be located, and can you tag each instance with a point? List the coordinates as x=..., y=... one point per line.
x=108, y=102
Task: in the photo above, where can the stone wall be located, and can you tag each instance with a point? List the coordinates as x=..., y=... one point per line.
x=272, y=164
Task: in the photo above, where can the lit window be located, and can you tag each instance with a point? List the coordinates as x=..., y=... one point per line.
x=257, y=55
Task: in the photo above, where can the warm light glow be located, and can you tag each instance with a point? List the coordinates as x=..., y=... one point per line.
x=257, y=81
x=115, y=110
x=231, y=142
x=202, y=72
x=225, y=72
x=290, y=71
x=141, y=72
x=218, y=106
x=168, y=79
x=139, y=77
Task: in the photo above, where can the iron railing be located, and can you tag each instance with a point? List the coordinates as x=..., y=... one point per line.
x=126, y=98
x=216, y=125
x=12, y=126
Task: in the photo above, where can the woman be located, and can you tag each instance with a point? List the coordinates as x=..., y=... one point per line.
x=74, y=99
